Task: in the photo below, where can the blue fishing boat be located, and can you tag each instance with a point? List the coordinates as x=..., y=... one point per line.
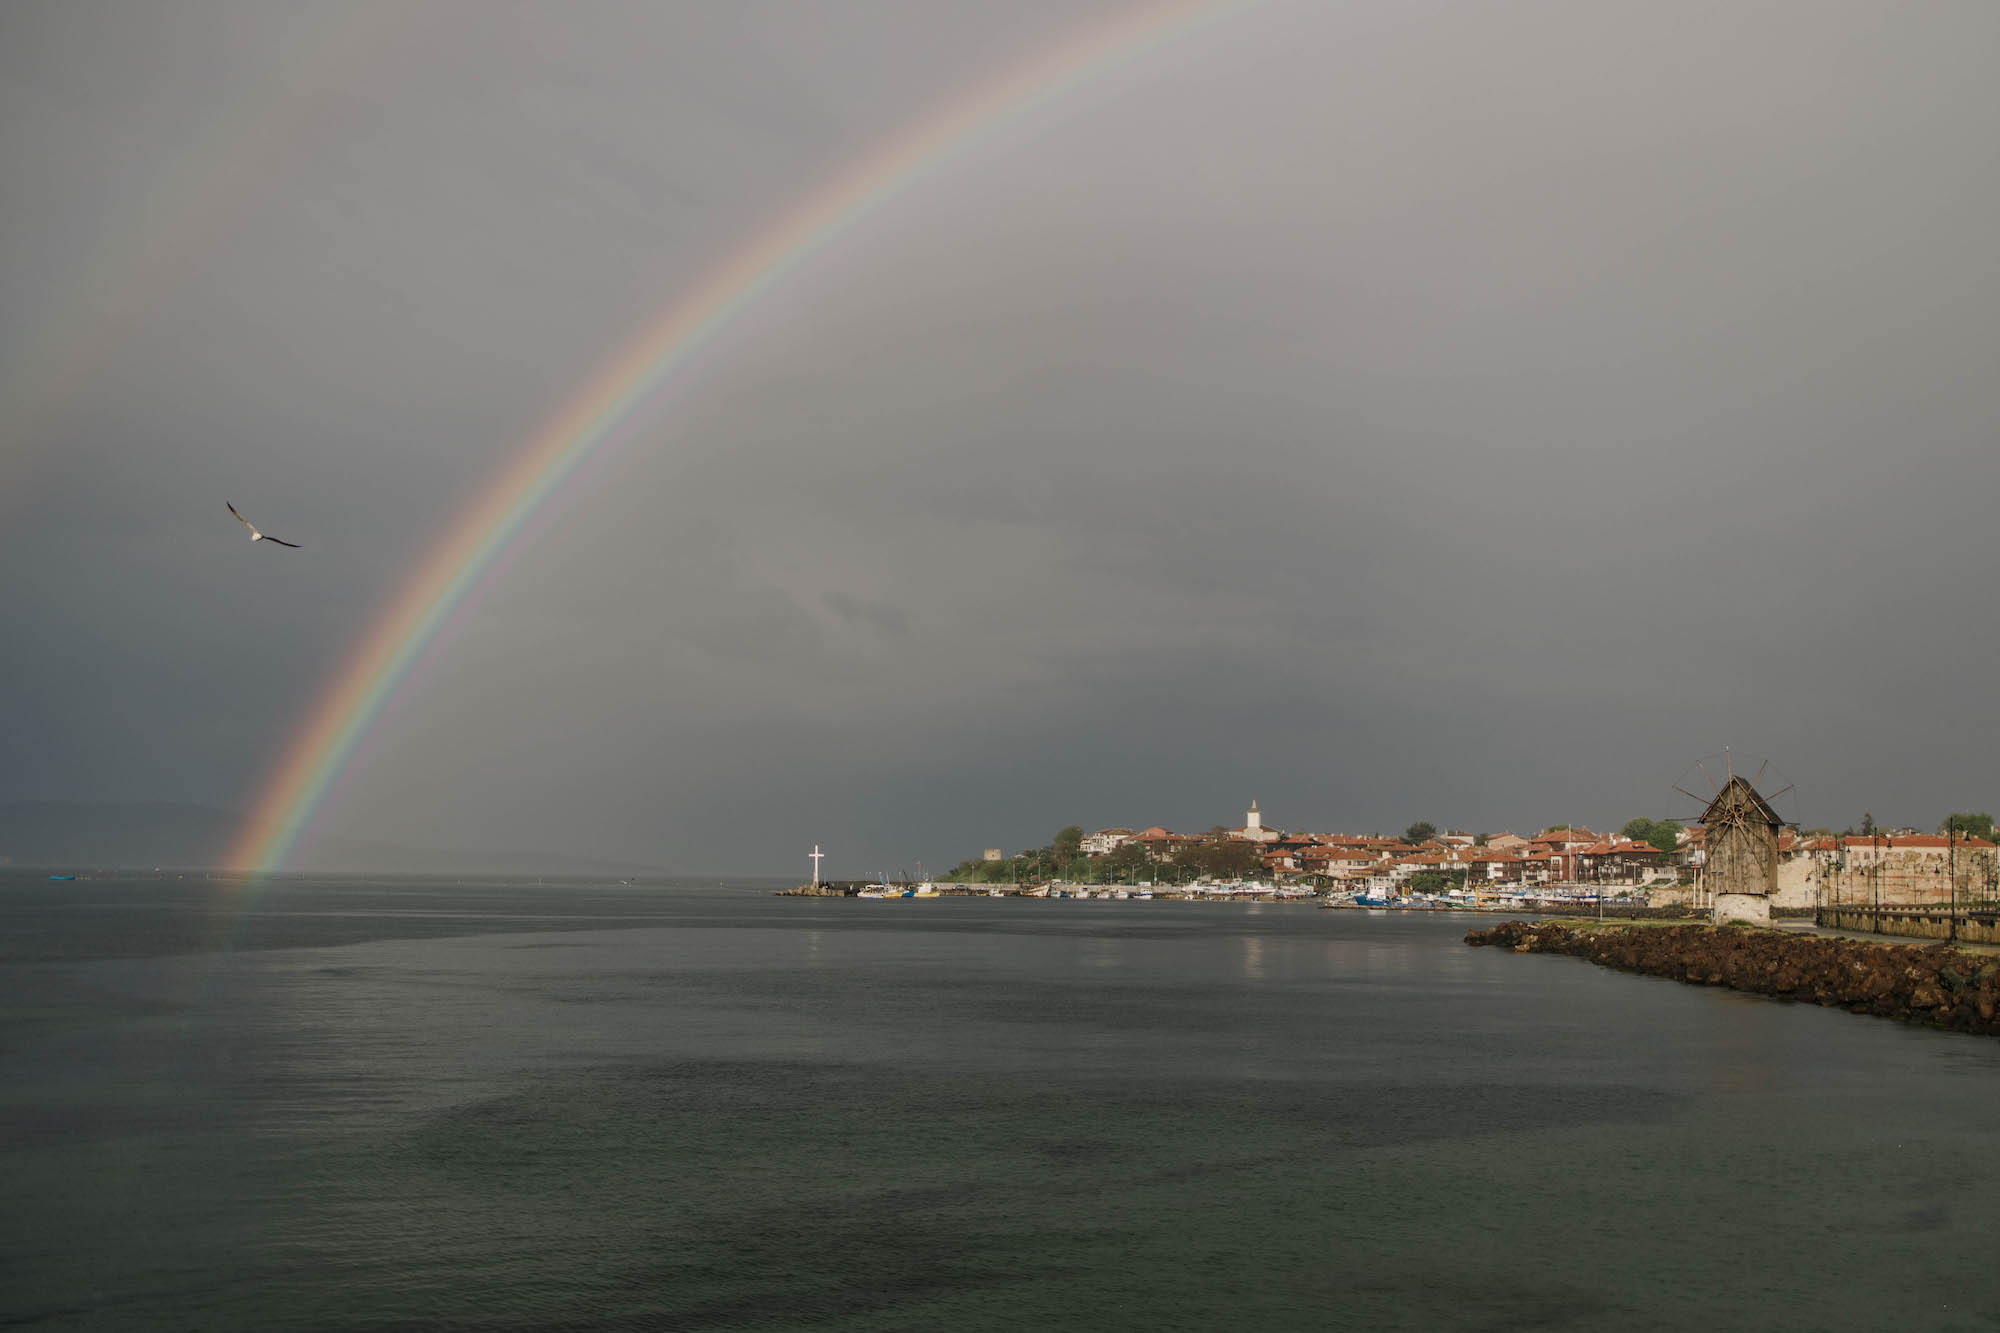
x=62, y=876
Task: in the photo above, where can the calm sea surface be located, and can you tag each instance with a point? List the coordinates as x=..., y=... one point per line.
x=495, y=1106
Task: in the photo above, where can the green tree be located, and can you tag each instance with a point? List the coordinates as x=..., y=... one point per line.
x=1969, y=824
x=1663, y=834
x=1007, y=870
x=1434, y=881
x=1240, y=860
x=1066, y=849
x=1421, y=831
x=1127, y=863
x=1225, y=858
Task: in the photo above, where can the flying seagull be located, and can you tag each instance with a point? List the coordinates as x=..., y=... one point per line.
x=255, y=535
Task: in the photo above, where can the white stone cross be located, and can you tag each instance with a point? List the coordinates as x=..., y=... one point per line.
x=817, y=854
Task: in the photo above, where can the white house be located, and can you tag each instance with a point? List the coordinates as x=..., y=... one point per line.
x=1105, y=840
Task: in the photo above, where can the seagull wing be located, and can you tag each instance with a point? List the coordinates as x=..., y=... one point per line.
x=267, y=537
x=240, y=519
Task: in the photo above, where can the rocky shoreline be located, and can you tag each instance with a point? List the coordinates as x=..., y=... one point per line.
x=1938, y=986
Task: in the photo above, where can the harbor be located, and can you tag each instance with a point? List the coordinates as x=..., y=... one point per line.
x=1562, y=899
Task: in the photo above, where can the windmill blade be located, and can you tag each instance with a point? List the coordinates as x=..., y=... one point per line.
x=1779, y=792
x=1703, y=802
x=1711, y=779
x=1760, y=772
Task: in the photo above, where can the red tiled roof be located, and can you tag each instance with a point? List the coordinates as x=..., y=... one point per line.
x=1616, y=847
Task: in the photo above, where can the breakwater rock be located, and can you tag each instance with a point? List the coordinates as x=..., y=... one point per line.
x=1939, y=986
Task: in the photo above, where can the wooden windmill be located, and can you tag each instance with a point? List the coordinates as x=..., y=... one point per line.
x=1741, y=849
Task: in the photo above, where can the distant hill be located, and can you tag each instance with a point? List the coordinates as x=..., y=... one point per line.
x=110, y=837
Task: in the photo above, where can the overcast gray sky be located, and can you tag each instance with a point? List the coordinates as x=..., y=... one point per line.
x=1382, y=409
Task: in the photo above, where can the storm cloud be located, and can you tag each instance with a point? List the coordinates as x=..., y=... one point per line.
x=1382, y=410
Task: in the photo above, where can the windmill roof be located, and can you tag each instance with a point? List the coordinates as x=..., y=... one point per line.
x=1738, y=794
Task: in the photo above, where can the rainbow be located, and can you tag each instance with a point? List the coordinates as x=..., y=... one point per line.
x=634, y=379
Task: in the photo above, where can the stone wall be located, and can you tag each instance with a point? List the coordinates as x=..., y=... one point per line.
x=1669, y=895
x=1917, y=924
x=1891, y=876
x=1801, y=877
x=1750, y=908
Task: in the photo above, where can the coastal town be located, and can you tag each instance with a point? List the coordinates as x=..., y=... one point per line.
x=1652, y=863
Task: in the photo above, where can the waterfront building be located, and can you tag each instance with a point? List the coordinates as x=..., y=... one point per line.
x=1491, y=865
x=1105, y=841
x=1164, y=844
x=1616, y=860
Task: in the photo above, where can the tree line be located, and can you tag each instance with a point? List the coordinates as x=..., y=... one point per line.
x=1062, y=857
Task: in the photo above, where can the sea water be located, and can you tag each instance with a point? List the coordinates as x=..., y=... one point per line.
x=498, y=1105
